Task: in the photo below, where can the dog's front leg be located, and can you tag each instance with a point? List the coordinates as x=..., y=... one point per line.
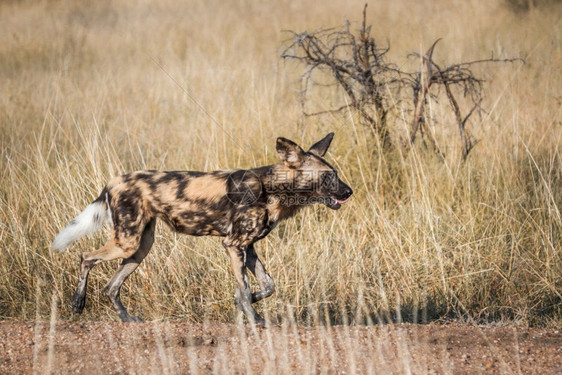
x=267, y=286
x=243, y=293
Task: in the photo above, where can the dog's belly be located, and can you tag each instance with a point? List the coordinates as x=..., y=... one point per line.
x=196, y=223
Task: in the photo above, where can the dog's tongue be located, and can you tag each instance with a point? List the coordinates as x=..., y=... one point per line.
x=342, y=201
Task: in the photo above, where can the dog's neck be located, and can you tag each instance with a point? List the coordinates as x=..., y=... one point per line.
x=279, y=210
x=278, y=183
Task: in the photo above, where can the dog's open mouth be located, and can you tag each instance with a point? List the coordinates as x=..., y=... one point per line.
x=335, y=203
x=342, y=201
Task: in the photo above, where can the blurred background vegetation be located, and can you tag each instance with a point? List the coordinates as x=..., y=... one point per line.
x=90, y=90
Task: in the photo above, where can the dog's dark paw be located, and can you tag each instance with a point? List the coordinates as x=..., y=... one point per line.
x=126, y=318
x=78, y=303
x=260, y=322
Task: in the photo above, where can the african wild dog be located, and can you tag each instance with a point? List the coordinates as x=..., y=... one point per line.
x=241, y=205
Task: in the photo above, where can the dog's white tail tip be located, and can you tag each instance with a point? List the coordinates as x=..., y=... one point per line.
x=88, y=221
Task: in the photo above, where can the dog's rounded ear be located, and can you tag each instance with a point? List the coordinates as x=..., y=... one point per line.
x=290, y=153
x=321, y=147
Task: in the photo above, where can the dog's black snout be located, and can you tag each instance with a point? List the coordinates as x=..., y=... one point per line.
x=347, y=192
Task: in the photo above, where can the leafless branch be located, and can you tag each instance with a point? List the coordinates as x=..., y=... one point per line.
x=373, y=85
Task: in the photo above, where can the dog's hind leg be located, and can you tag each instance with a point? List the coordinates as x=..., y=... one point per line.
x=243, y=293
x=113, y=287
x=267, y=286
x=111, y=250
x=78, y=300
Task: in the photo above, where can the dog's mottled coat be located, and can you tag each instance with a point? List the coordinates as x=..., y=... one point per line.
x=242, y=206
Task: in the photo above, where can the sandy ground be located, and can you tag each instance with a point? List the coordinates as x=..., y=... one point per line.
x=186, y=348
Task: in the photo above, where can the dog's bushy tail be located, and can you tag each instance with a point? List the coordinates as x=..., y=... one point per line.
x=87, y=222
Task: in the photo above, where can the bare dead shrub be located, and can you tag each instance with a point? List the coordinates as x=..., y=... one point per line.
x=355, y=63
x=451, y=78
x=522, y=6
x=375, y=87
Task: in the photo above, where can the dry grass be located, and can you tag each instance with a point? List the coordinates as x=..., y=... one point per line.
x=87, y=92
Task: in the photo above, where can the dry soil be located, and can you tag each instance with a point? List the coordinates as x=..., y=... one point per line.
x=186, y=348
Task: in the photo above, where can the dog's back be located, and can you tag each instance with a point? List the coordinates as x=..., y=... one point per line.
x=194, y=203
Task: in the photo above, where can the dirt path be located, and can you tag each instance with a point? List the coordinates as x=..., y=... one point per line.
x=182, y=348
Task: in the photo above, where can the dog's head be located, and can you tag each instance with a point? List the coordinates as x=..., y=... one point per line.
x=311, y=175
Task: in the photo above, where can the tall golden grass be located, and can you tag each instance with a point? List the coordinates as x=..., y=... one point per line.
x=90, y=90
